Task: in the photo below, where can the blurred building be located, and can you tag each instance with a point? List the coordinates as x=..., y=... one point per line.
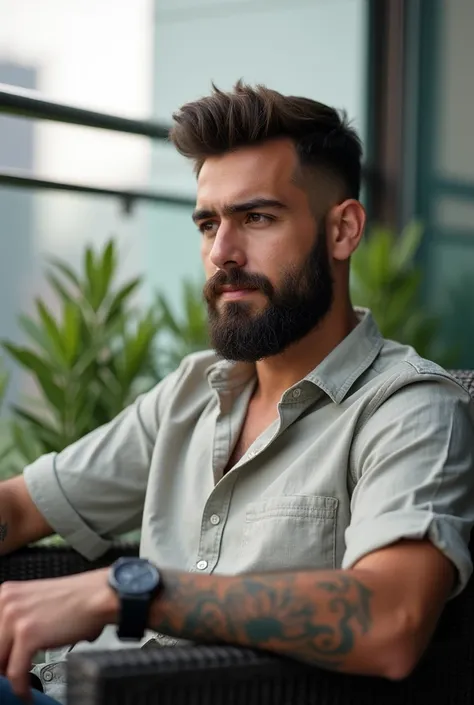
x=17, y=214
x=420, y=136
x=402, y=69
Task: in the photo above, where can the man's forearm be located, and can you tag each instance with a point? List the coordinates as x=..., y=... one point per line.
x=334, y=619
x=20, y=521
x=7, y=521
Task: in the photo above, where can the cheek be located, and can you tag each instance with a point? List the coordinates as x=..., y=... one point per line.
x=274, y=265
x=206, y=263
x=209, y=268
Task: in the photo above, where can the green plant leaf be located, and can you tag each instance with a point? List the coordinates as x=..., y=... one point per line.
x=90, y=359
x=5, y=452
x=59, y=287
x=108, y=267
x=168, y=319
x=71, y=331
x=4, y=379
x=33, y=419
x=95, y=279
x=89, y=265
x=26, y=442
x=120, y=298
x=379, y=258
x=407, y=245
x=52, y=330
x=137, y=350
x=86, y=418
x=28, y=359
x=386, y=278
x=65, y=270
x=54, y=393
x=37, y=335
x=42, y=435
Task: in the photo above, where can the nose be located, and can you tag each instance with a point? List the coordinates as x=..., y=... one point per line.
x=227, y=248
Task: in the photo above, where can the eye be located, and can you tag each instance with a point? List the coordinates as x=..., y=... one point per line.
x=208, y=227
x=259, y=218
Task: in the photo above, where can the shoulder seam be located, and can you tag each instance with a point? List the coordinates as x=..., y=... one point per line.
x=438, y=372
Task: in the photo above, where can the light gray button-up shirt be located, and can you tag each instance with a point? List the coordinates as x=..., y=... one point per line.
x=374, y=445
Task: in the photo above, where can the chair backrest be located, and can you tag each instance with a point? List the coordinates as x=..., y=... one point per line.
x=466, y=378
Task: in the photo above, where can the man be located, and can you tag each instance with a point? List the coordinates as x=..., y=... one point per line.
x=307, y=488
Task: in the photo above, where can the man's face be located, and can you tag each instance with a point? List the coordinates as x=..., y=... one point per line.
x=268, y=274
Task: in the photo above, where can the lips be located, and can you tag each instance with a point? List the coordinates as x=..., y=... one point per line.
x=235, y=284
x=227, y=289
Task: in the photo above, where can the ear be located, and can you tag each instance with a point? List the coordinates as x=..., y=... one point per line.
x=345, y=226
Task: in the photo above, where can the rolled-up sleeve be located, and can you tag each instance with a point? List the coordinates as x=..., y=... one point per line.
x=95, y=489
x=413, y=466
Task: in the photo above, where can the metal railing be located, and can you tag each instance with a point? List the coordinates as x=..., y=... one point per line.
x=9, y=177
x=30, y=104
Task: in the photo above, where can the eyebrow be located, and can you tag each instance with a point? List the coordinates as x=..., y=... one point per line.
x=203, y=213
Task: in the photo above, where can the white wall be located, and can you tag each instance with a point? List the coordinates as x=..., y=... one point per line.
x=315, y=48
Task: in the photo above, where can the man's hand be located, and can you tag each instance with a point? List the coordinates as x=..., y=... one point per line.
x=39, y=614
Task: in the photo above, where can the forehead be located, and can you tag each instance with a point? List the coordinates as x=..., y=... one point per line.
x=267, y=169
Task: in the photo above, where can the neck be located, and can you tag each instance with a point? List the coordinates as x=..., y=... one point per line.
x=278, y=373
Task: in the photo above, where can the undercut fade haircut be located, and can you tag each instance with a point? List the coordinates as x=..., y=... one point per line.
x=226, y=121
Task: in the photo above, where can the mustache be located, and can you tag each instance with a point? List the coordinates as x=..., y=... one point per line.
x=238, y=278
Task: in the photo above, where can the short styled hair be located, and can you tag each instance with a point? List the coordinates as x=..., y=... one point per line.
x=225, y=121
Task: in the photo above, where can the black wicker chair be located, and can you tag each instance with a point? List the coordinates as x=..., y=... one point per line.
x=225, y=675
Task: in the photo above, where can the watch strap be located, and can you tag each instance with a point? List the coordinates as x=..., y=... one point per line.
x=133, y=617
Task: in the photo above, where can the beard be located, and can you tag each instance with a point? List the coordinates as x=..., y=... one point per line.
x=294, y=309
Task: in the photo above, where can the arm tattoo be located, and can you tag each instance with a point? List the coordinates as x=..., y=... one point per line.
x=316, y=617
x=3, y=531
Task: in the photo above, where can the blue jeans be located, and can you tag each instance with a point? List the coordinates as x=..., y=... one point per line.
x=7, y=697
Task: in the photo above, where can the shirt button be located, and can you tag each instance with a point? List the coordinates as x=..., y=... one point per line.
x=201, y=565
x=296, y=393
x=215, y=519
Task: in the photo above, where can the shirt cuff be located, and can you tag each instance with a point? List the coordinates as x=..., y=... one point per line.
x=45, y=489
x=382, y=531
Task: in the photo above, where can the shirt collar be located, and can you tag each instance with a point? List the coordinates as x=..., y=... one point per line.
x=335, y=375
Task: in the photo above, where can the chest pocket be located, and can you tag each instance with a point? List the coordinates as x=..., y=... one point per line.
x=290, y=533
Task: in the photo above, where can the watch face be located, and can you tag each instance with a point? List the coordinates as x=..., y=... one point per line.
x=136, y=576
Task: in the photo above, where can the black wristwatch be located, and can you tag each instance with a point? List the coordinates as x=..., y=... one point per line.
x=136, y=581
